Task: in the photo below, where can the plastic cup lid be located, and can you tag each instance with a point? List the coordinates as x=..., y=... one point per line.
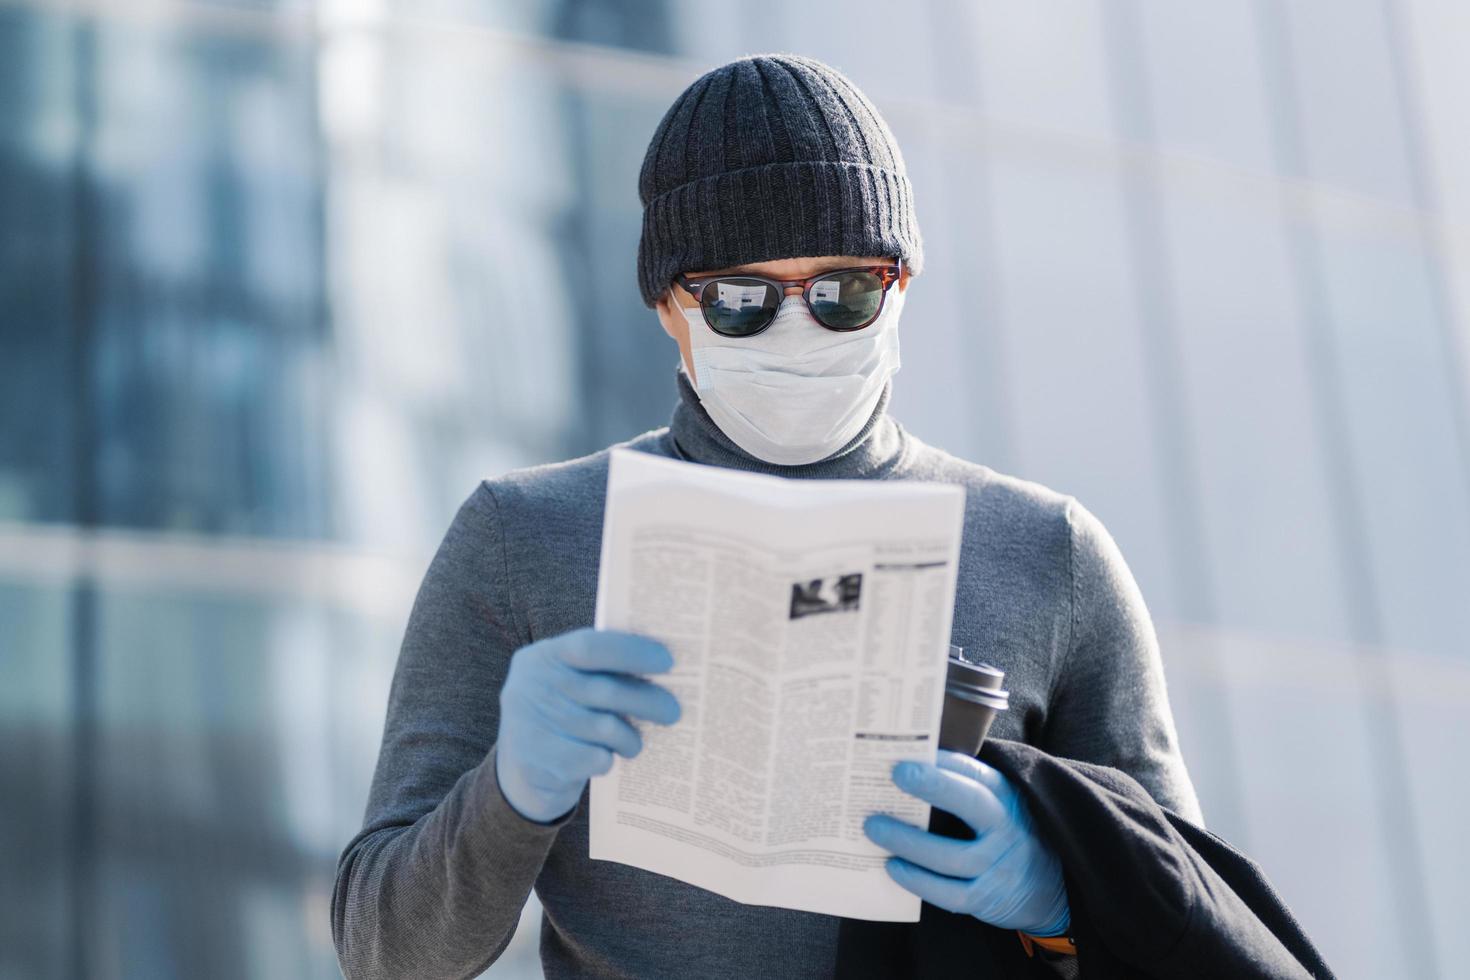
x=974, y=680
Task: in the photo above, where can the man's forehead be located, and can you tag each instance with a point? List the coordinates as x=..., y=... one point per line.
x=798, y=268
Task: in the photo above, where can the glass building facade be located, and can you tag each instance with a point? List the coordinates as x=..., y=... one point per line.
x=281, y=281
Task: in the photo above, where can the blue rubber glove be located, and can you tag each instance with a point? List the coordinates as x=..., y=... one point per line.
x=561, y=714
x=1006, y=876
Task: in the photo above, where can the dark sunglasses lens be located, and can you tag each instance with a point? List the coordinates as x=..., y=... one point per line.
x=739, y=307
x=847, y=300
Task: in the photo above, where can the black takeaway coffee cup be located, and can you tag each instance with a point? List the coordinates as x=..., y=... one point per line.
x=972, y=696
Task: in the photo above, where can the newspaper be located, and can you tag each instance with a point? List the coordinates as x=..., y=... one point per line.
x=809, y=622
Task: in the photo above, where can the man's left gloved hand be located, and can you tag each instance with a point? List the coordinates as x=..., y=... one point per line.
x=1006, y=876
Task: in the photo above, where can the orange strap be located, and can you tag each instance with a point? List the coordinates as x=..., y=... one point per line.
x=1057, y=944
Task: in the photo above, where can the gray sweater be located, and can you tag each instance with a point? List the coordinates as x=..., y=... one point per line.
x=434, y=883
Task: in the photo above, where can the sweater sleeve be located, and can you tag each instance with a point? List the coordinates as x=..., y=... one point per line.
x=434, y=883
x=1109, y=703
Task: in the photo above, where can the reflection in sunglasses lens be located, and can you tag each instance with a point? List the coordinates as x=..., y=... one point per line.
x=848, y=300
x=739, y=307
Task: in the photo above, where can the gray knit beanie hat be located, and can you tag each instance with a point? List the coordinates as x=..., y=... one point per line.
x=772, y=156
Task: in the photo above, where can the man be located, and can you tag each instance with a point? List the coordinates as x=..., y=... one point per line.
x=505, y=702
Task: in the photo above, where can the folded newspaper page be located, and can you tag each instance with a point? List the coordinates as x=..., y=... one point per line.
x=809, y=622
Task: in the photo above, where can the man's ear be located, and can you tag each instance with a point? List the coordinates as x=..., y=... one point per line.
x=664, y=307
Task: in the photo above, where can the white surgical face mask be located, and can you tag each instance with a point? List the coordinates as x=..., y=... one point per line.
x=796, y=392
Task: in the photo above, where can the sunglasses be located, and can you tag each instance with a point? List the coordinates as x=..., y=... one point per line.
x=743, y=306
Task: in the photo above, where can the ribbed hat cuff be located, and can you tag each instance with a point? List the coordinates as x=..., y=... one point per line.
x=777, y=211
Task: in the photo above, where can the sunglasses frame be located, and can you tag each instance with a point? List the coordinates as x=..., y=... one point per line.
x=887, y=276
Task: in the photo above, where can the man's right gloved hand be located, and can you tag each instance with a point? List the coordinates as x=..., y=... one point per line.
x=560, y=714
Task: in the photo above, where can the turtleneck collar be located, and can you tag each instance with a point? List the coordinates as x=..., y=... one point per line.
x=878, y=449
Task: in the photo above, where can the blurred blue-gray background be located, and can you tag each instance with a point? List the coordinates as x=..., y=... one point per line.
x=279, y=282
